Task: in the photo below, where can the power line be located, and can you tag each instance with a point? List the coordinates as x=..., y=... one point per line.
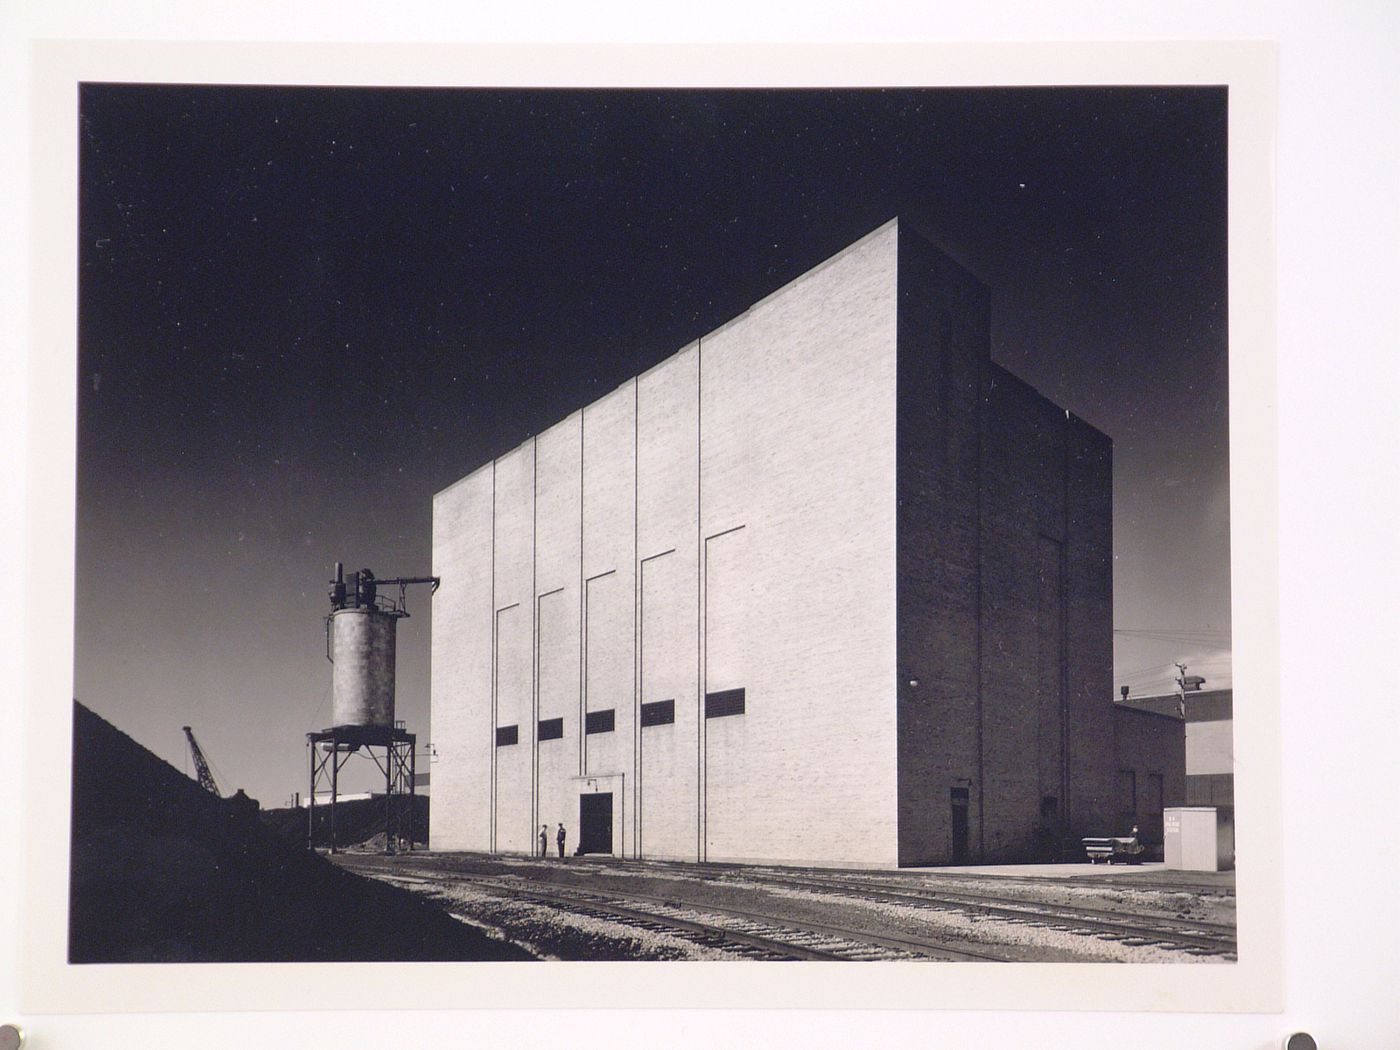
x=1171, y=630
x=1203, y=633
x=1166, y=668
x=1146, y=672
x=1201, y=640
x=320, y=704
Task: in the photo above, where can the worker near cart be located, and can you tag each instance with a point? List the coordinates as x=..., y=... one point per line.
x=560, y=839
x=544, y=840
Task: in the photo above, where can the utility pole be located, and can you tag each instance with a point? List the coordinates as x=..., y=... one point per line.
x=1186, y=683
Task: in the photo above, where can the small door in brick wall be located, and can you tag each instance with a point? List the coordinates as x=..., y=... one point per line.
x=595, y=822
x=959, y=800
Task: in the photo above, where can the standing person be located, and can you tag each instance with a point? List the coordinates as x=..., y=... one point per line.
x=544, y=840
x=560, y=838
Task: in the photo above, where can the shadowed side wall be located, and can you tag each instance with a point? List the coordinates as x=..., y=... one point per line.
x=1047, y=623
x=944, y=333
x=1023, y=638
x=1210, y=750
x=1005, y=591
x=1149, y=774
x=1089, y=622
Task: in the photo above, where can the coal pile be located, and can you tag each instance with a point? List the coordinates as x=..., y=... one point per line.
x=358, y=822
x=164, y=871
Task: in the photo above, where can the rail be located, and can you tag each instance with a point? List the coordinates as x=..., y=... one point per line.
x=781, y=936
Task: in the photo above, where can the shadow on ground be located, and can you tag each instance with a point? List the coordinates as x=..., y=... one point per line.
x=164, y=871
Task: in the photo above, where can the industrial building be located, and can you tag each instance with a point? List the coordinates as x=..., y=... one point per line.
x=1151, y=747
x=825, y=586
x=1210, y=741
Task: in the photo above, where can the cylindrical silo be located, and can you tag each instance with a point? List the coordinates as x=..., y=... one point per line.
x=362, y=648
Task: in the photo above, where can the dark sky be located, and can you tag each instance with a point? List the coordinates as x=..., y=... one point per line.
x=304, y=311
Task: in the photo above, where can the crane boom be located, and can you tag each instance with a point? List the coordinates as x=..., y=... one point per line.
x=201, y=765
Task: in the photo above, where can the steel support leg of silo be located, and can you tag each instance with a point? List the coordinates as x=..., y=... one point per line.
x=412, y=792
x=335, y=785
x=389, y=798
x=311, y=796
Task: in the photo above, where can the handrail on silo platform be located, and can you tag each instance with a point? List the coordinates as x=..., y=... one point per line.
x=362, y=591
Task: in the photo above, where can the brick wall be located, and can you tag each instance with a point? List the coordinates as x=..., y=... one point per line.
x=797, y=450
x=668, y=451
x=513, y=686
x=735, y=530
x=1210, y=752
x=558, y=618
x=836, y=503
x=944, y=326
x=1046, y=559
x=1149, y=772
x=1005, y=589
x=1089, y=620
x=462, y=728
x=1023, y=619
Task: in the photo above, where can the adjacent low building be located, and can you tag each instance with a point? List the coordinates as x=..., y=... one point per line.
x=1151, y=748
x=1210, y=741
x=825, y=586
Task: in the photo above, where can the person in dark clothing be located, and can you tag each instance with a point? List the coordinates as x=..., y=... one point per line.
x=544, y=840
x=560, y=839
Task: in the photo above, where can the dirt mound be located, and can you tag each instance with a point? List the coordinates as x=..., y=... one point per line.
x=357, y=821
x=163, y=871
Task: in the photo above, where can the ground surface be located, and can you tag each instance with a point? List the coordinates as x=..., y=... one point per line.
x=357, y=821
x=585, y=908
x=164, y=871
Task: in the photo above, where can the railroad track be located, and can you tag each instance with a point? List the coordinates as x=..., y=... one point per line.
x=1130, y=880
x=748, y=933
x=1198, y=936
x=1133, y=880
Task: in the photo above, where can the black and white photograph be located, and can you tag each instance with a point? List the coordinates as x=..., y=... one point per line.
x=698, y=525
x=653, y=524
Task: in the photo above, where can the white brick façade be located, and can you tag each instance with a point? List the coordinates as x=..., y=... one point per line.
x=725, y=521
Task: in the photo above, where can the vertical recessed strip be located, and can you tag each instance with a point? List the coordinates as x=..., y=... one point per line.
x=582, y=601
x=699, y=601
x=641, y=642
x=1060, y=641
x=636, y=626
x=641, y=677
x=491, y=793
x=539, y=649
x=978, y=419
x=534, y=636
x=704, y=689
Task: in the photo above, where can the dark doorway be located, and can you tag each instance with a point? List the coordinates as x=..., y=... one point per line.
x=1048, y=837
x=595, y=823
x=960, y=804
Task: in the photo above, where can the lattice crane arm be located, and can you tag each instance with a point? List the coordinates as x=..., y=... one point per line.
x=201, y=765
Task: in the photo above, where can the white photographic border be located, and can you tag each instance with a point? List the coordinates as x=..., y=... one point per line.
x=1254, y=983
